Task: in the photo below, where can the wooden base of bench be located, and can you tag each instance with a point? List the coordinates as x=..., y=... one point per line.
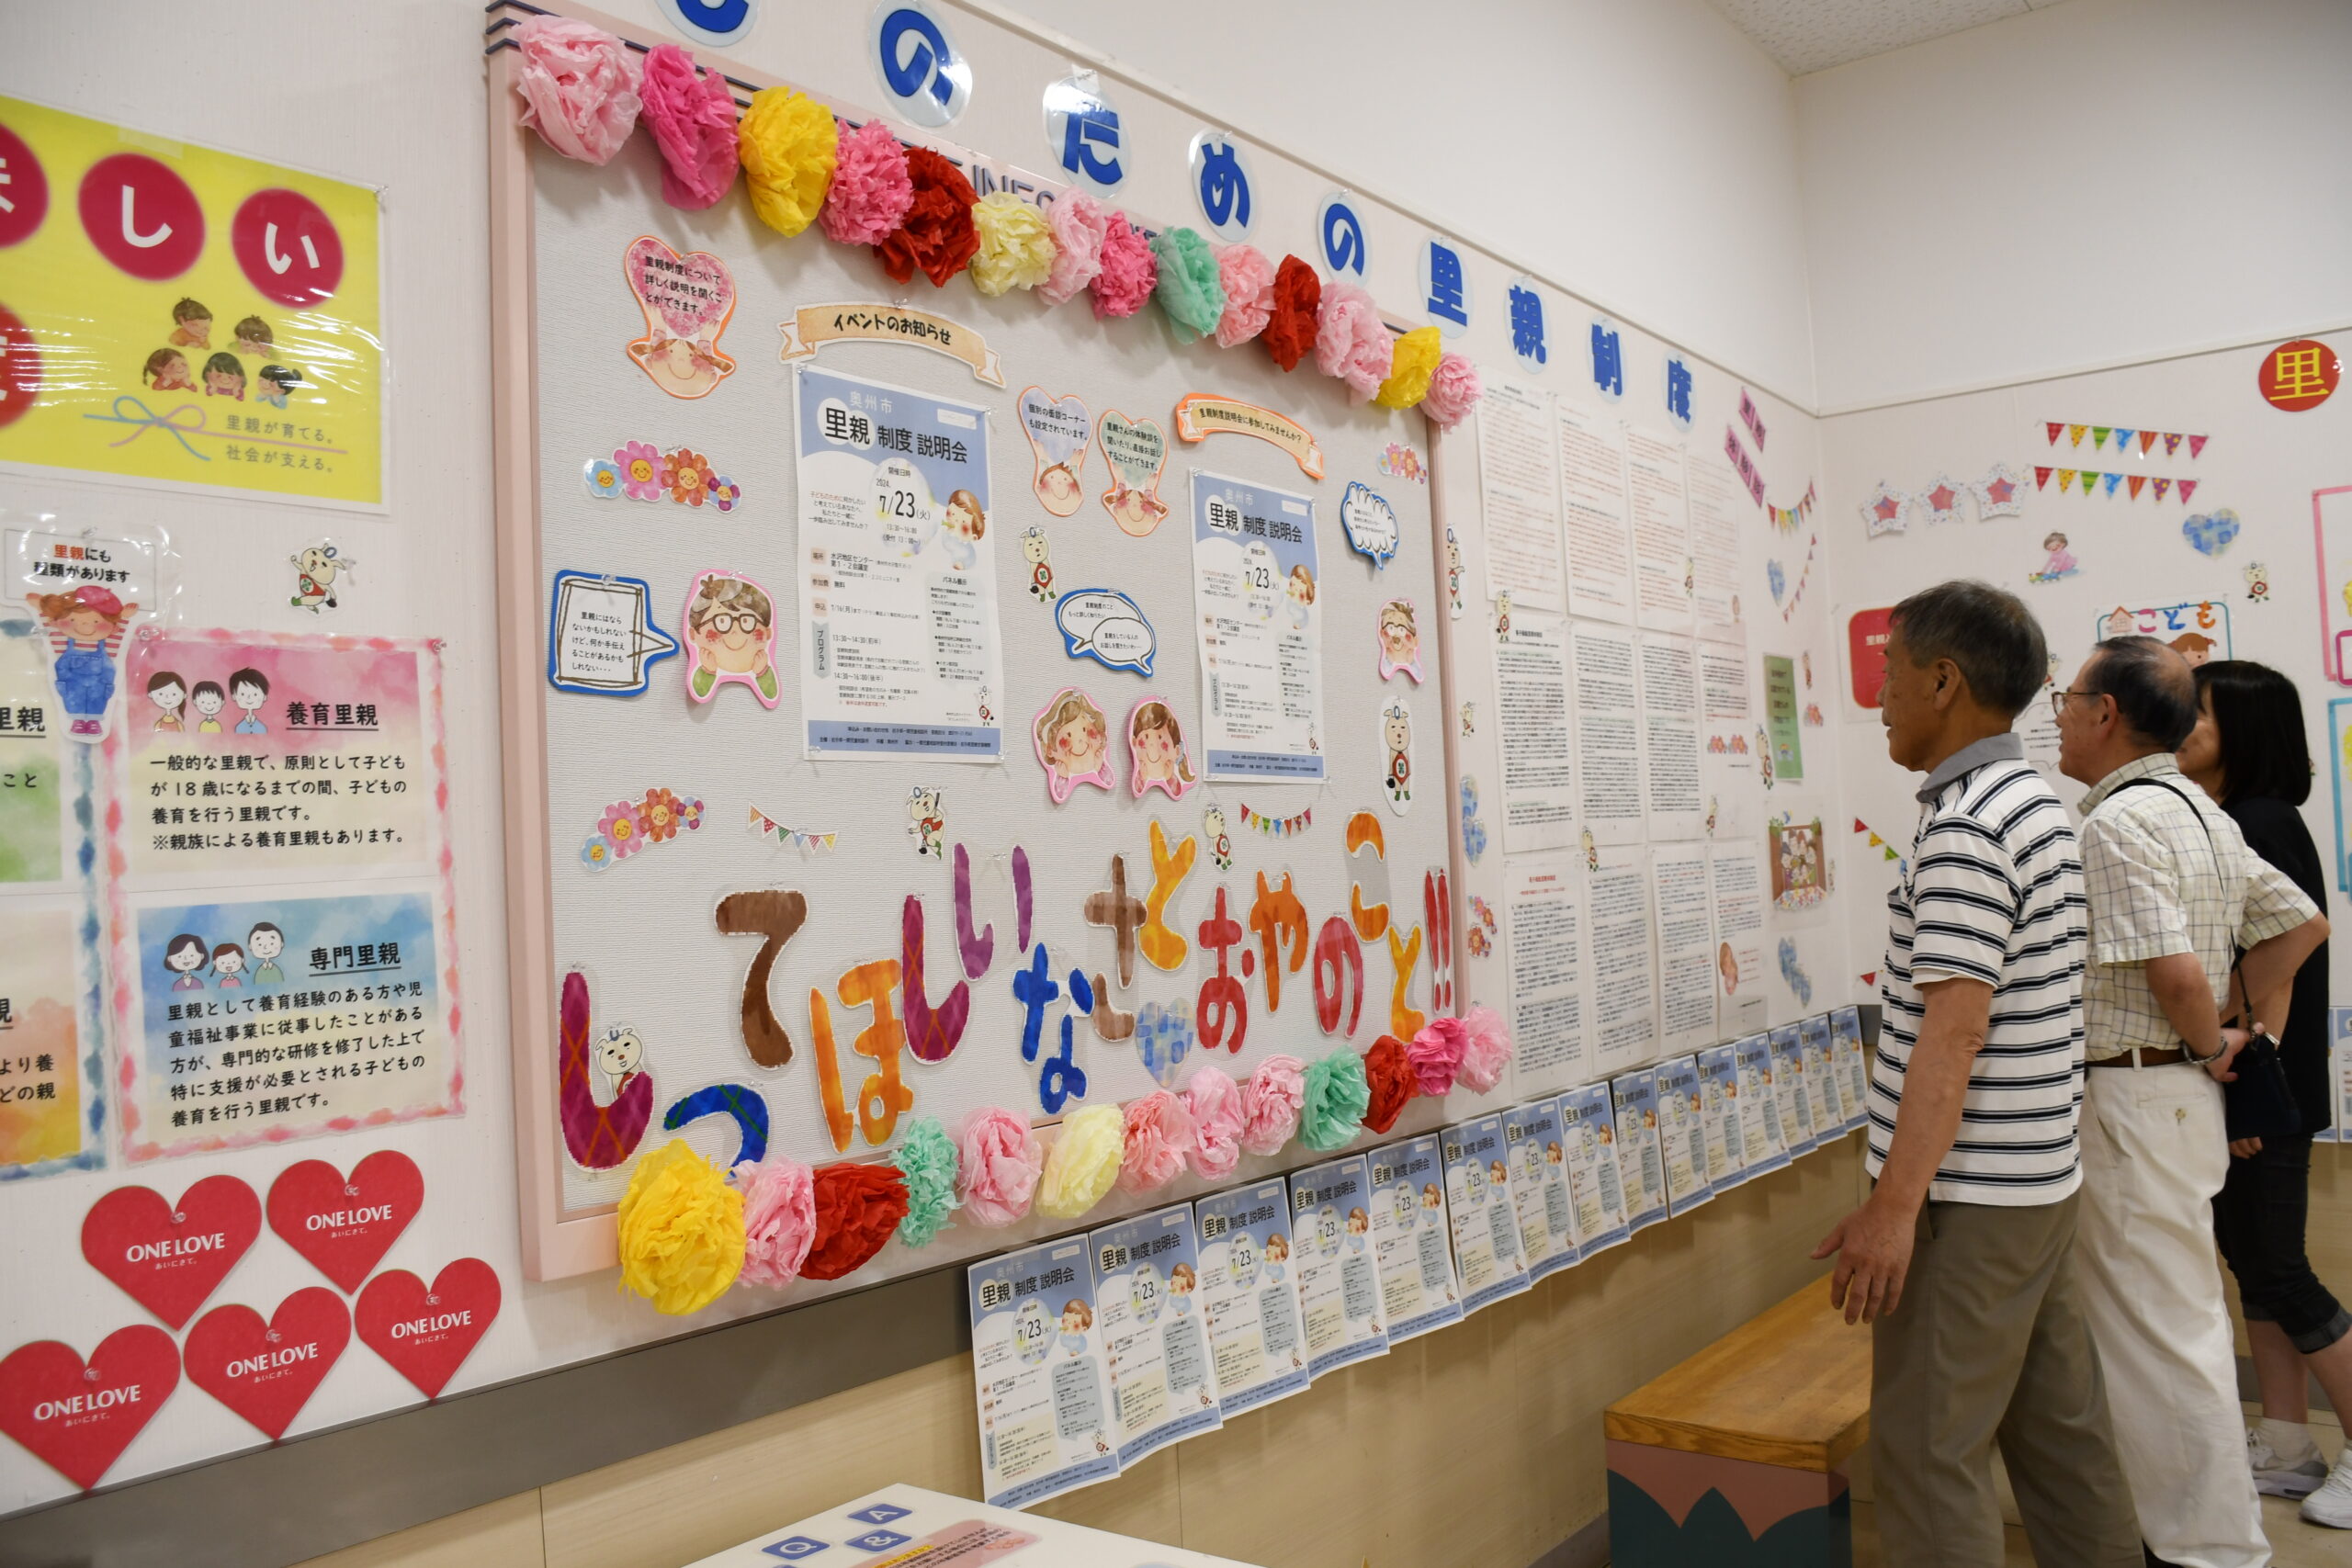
x=1671, y=1510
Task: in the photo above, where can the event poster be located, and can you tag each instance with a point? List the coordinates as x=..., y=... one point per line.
x=1853, y=1063
x=1339, y=1290
x=1045, y=1427
x=1791, y=1099
x=1589, y=1135
x=1825, y=1087
x=180, y=315
x=1485, y=1226
x=1147, y=1305
x=36, y=796
x=1408, y=1239
x=899, y=651
x=1539, y=1187
x=1258, y=614
x=1682, y=1134
x=1640, y=1160
x=1761, y=1125
x=1249, y=1296
x=1726, y=1145
x=1544, y=903
x=49, y=1064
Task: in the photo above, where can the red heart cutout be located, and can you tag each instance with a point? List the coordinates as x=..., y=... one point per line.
x=267, y=1371
x=169, y=1258
x=78, y=1419
x=346, y=1227
x=425, y=1335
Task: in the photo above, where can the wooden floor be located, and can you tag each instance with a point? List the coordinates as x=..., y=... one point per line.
x=2293, y=1544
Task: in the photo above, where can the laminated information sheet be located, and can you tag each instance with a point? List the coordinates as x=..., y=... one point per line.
x=1045, y=1423
x=1339, y=1290
x=1146, y=1289
x=1485, y=1226
x=1249, y=1296
x=1408, y=1239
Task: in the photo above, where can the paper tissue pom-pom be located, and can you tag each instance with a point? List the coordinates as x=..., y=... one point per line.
x=692, y=115
x=936, y=235
x=1189, y=288
x=1248, y=279
x=1486, y=1050
x=1158, y=1135
x=779, y=1220
x=1016, y=244
x=1215, y=1100
x=1129, y=272
x=1290, y=328
x=1413, y=362
x=1078, y=224
x=681, y=1230
x=788, y=143
x=1350, y=343
x=1390, y=1081
x=1334, y=1099
x=871, y=190
x=927, y=1160
x=579, y=86
x=1453, y=392
x=1270, y=1104
x=1435, y=1055
x=999, y=1171
x=858, y=1208
x=1083, y=1163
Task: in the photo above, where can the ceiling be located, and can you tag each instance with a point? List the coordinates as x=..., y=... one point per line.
x=1812, y=35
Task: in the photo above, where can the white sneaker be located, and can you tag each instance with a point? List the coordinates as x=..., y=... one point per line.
x=2277, y=1478
x=2332, y=1504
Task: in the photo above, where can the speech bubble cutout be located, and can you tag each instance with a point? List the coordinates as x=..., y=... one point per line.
x=601, y=637
x=1370, y=522
x=1107, y=626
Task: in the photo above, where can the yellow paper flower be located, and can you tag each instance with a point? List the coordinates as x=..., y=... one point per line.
x=1016, y=244
x=1083, y=1162
x=681, y=1230
x=788, y=141
x=1409, y=372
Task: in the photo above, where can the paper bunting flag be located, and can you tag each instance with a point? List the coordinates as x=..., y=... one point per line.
x=1876, y=842
x=2074, y=433
x=2172, y=444
x=1941, y=499
x=2187, y=489
x=2137, y=482
x=2098, y=437
x=2196, y=445
x=2053, y=426
x=2065, y=480
x=2162, y=486
x=2090, y=482
x=1277, y=827
x=1888, y=511
x=763, y=826
x=2112, y=481
x=2122, y=437
x=2147, y=439
x=2001, y=493
x=2042, y=477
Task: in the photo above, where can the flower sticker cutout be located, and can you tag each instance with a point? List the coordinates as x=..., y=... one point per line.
x=659, y=814
x=690, y=813
x=621, y=825
x=597, y=852
x=687, y=473
x=725, y=493
x=640, y=466
x=603, y=478
x=627, y=826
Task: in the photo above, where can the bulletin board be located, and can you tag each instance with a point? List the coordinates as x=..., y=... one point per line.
x=872, y=844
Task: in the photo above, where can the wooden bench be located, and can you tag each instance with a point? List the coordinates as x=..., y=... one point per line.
x=1736, y=1458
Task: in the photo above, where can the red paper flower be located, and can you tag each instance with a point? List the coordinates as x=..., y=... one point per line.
x=1290, y=331
x=858, y=1208
x=1385, y=1068
x=937, y=235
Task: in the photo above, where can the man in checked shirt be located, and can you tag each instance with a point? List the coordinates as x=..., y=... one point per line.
x=2174, y=895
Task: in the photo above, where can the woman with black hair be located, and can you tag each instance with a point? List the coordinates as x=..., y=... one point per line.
x=2248, y=751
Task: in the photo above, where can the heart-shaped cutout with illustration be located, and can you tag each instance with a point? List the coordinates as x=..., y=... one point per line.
x=77, y=1417
x=1137, y=452
x=426, y=1334
x=170, y=1257
x=688, y=300
x=267, y=1371
x=344, y=1227
x=1060, y=430
x=2210, y=532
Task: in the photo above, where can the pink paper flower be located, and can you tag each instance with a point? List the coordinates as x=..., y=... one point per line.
x=1249, y=280
x=779, y=1220
x=692, y=117
x=1215, y=1100
x=578, y=84
x=1159, y=1135
x=641, y=470
x=1130, y=272
x=1453, y=391
x=1435, y=1055
x=1079, y=225
x=1486, y=1051
x=871, y=190
x=623, y=828
x=998, y=1161
x=1270, y=1104
x=1350, y=343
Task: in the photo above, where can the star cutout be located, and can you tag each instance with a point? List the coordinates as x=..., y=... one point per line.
x=2000, y=491
x=1887, y=509
x=1943, y=498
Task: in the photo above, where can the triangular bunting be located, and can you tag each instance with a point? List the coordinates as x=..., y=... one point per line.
x=2122, y=438
x=2065, y=480
x=2112, y=481
x=2197, y=446
x=2099, y=436
x=2042, y=477
x=2147, y=439
x=2137, y=482
x=2187, y=489
x=1861, y=826
x=2053, y=426
x=2162, y=486
x=2172, y=443
x=2074, y=433
x=1871, y=979
x=2090, y=482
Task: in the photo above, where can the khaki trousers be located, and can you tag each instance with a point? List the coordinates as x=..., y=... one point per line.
x=1989, y=1345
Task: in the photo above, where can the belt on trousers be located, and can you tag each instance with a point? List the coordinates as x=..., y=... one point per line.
x=2147, y=1057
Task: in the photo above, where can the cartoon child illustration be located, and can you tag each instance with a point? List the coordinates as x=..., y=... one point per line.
x=1077, y=1318
x=1156, y=758
x=1277, y=1253
x=1397, y=730
x=253, y=337
x=2195, y=647
x=620, y=1056
x=191, y=325
x=2061, y=562
x=208, y=698
x=684, y=367
x=224, y=377
x=1137, y=512
x=166, y=371
x=1300, y=589
x=1058, y=488
x=1181, y=1283
x=1041, y=572
x=169, y=693
x=1727, y=965
x=276, y=381
x=266, y=941
x=1359, y=1227
x=1433, y=1196
x=962, y=525
x=317, y=568
x=730, y=636
x=1220, y=843
x=1400, y=641
x=249, y=689
x=85, y=629
x=183, y=955
x=1553, y=1153
x=1498, y=1173
x=924, y=823
x=1073, y=737
x=228, y=964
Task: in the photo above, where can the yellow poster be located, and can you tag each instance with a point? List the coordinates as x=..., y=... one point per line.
x=174, y=313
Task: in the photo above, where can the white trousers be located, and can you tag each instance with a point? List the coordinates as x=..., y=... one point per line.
x=2154, y=1153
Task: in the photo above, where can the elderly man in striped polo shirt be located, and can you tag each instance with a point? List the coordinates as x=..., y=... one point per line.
x=2174, y=893
x=1961, y=1257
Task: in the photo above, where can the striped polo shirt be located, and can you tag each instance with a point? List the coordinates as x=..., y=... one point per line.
x=1993, y=892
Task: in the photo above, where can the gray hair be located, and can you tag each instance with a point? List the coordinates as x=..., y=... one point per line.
x=2153, y=691
x=1988, y=634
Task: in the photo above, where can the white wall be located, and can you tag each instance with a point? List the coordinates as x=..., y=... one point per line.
x=2102, y=183
x=1645, y=155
